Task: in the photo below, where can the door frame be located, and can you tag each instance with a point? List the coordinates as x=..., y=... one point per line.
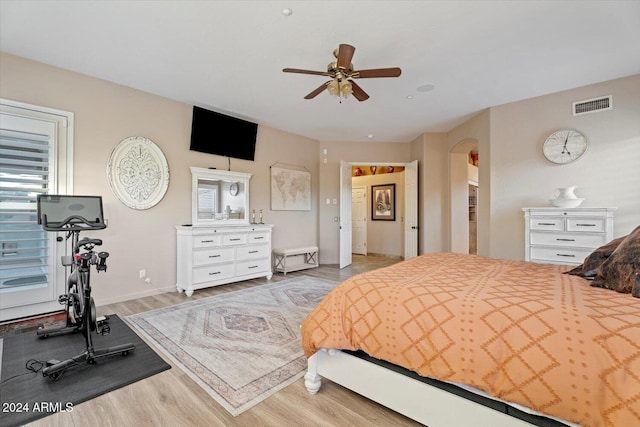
x=345, y=206
x=61, y=182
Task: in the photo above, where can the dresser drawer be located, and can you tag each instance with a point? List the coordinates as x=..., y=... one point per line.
x=550, y=224
x=586, y=224
x=568, y=239
x=560, y=255
x=212, y=256
x=207, y=240
x=258, y=237
x=213, y=272
x=234, y=239
x=252, y=252
x=253, y=266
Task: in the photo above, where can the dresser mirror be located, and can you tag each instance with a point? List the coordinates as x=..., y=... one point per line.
x=219, y=197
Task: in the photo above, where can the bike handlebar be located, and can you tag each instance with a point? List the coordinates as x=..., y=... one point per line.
x=73, y=223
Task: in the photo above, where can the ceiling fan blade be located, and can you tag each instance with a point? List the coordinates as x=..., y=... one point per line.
x=318, y=90
x=345, y=55
x=296, y=70
x=376, y=72
x=358, y=93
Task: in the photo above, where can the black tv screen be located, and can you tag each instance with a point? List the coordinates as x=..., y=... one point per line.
x=216, y=133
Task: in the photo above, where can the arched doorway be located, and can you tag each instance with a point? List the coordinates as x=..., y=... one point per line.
x=463, y=196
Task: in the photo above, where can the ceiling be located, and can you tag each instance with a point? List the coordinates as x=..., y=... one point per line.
x=228, y=56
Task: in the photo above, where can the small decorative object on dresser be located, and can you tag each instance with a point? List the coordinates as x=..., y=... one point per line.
x=221, y=246
x=566, y=198
x=565, y=235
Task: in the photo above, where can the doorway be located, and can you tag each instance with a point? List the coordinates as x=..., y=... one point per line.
x=408, y=221
x=463, y=196
x=37, y=146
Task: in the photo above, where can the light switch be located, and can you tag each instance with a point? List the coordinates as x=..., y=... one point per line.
x=328, y=201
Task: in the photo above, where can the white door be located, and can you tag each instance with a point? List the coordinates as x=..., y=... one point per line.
x=411, y=210
x=359, y=220
x=35, y=147
x=345, y=214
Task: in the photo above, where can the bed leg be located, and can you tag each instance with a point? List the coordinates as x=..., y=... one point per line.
x=312, y=381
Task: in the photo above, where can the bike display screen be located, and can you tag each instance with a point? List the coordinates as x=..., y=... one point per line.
x=59, y=208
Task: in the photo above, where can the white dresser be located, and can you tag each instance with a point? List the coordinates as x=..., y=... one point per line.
x=216, y=255
x=565, y=235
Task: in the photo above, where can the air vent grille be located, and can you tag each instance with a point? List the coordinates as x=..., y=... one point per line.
x=593, y=105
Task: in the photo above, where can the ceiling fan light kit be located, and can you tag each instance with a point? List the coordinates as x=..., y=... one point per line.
x=341, y=72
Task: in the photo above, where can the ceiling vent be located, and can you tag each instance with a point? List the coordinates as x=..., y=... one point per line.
x=593, y=105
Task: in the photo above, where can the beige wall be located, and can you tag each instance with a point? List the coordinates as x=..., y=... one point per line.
x=105, y=114
x=513, y=173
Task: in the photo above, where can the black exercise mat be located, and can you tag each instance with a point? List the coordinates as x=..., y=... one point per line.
x=26, y=396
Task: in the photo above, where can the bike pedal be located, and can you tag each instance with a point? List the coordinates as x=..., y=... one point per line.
x=105, y=330
x=63, y=299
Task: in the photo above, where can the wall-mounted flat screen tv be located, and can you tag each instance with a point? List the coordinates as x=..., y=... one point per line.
x=216, y=133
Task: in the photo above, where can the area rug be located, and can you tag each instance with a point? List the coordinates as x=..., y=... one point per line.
x=26, y=395
x=243, y=346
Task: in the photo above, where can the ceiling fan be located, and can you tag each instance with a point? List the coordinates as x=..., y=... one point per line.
x=341, y=72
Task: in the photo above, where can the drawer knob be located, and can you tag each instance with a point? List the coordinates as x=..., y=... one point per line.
x=253, y=252
x=566, y=240
x=546, y=223
x=214, y=273
x=585, y=225
x=258, y=238
x=206, y=241
x=214, y=256
x=234, y=240
x=253, y=266
x=567, y=255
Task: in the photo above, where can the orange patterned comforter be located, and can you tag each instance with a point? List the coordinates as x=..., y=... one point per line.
x=520, y=331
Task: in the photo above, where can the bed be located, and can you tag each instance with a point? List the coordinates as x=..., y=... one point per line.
x=527, y=337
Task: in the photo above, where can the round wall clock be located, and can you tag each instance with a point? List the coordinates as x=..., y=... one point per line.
x=233, y=189
x=138, y=172
x=564, y=146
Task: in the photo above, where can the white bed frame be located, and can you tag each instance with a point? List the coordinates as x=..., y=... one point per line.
x=419, y=401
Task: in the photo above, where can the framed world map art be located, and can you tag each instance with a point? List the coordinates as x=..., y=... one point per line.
x=290, y=189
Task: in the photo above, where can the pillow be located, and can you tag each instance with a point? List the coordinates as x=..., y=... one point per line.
x=621, y=271
x=594, y=260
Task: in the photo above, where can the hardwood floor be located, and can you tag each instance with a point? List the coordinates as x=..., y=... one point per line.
x=171, y=398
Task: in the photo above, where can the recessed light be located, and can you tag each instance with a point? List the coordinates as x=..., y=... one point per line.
x=425, y=88
x=370, y=136
x=409, y=96
x=287, y=12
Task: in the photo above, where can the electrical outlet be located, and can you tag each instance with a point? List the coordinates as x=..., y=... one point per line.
x=143, y=274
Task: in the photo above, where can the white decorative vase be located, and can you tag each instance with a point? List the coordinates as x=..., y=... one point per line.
x=566, y=198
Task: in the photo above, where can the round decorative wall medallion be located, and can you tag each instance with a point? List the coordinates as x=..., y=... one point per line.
x=138, y=172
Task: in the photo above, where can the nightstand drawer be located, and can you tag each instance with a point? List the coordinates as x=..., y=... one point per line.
x=560, y=255
x=550, y=224
x=212, y=256
x=587, y=224
x=568, y=239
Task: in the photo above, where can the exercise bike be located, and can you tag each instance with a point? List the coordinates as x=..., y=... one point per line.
x=65, y=214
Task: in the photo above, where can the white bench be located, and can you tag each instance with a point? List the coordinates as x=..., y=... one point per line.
x=283, y=259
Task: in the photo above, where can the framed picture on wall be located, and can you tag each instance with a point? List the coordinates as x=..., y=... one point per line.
x=383, y=202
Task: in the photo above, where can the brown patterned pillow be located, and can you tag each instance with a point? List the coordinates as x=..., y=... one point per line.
x=621, y=271
x=591, y=263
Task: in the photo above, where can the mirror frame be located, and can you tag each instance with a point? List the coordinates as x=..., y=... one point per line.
x=203, y=174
